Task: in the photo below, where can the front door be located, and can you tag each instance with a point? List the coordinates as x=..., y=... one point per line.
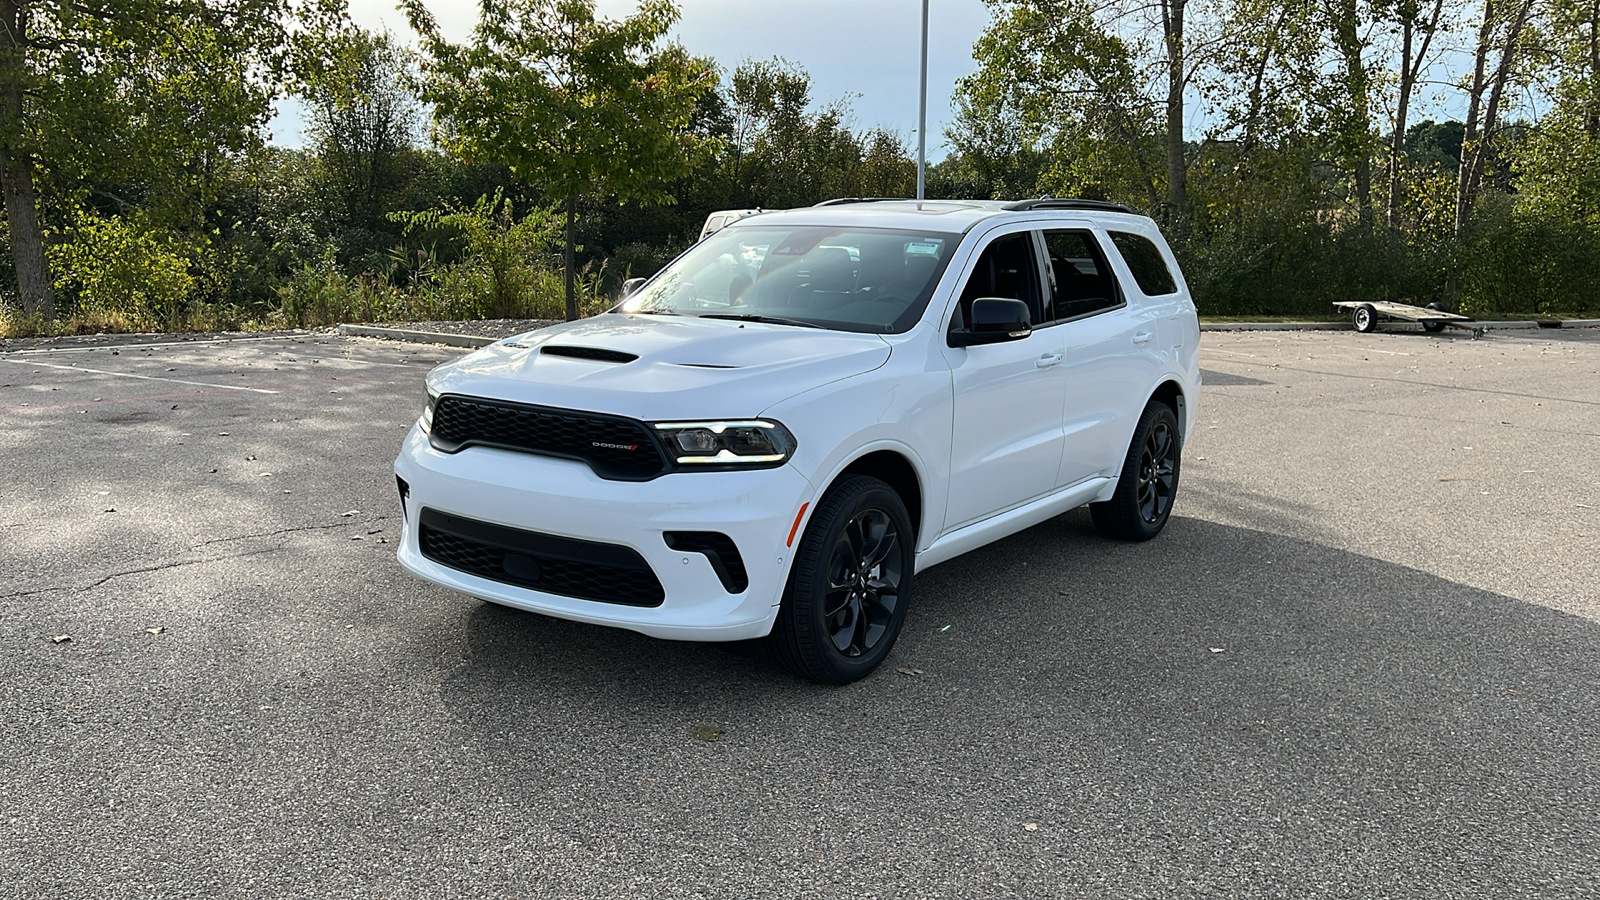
x=1006, y=445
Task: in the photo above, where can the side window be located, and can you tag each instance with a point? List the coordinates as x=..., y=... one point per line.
x=1005, y=269
x=1080, y=281
x=1145, y=262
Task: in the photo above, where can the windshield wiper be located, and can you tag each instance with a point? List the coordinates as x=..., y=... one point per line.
x=752, y=317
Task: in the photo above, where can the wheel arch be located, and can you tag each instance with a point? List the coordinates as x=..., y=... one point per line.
x=1170, y=392
x=894, y=469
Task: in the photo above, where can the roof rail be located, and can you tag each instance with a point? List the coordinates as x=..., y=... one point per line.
x=838, y=201
x=1065, y=203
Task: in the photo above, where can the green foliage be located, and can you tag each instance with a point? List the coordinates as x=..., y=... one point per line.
x=572, y=103
x=164, y=207
x=120, y=267
x=505, y=260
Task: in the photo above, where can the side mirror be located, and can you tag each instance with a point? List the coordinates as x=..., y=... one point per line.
x=994, y=320
x=631, y=285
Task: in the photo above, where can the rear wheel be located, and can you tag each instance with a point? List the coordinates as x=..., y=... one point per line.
x=851, y=582
x=1149, y=482
x=1433, y=325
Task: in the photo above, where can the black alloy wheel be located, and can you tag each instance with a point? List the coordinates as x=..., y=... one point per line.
x=864, y=575
x=1149, y=482
x=848, y=591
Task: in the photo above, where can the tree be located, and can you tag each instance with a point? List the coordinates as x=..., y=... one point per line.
x=576, y=105
x=1500, y=35
x=1086, y=77
x=362, y=118
x=133, y=103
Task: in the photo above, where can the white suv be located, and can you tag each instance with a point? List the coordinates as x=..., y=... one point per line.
x=779, y=429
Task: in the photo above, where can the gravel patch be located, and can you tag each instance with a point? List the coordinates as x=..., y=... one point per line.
x=488, y=328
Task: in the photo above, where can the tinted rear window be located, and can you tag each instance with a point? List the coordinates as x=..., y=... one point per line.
x=1144, y=260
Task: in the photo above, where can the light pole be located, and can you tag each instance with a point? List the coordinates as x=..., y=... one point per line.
x=922, y=109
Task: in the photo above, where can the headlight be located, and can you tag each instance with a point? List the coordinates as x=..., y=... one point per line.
x=427, y=412
x=734, y=444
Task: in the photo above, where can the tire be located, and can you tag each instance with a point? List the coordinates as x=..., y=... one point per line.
x=850, y=586
x=1149, y=481
x=1433, y=327
x=1365, y=318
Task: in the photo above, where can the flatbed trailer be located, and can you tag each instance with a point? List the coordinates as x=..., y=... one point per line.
x=1366, y=313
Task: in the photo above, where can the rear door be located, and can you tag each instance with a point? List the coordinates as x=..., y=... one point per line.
x=1107, y=372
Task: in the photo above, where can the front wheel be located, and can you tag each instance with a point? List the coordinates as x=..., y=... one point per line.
x=1149, y=483
x=1365, y=318
x=851, y=583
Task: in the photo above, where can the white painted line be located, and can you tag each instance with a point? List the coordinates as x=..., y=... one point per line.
x=226, y=387
x=239, y=340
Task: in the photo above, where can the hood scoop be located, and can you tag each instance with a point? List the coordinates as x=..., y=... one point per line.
x=597, y=354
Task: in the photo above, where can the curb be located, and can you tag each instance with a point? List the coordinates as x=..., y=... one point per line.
x=416, y=337
x=1346, y=326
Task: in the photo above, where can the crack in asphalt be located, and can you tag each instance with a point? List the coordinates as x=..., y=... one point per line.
x=140, y=571
x=245, y=537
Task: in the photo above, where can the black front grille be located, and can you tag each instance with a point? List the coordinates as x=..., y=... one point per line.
x=719, y=550
x=616, y=448
x=587, y=570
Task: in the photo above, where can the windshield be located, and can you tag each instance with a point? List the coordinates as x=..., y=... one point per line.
x=849, y=279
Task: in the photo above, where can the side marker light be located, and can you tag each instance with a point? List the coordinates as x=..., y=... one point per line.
x=796, y=526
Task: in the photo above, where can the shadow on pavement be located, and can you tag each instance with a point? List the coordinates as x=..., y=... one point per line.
x=1218, y=709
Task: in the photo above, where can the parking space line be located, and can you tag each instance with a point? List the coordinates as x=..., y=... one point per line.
x=207, y=384
x=50, y=351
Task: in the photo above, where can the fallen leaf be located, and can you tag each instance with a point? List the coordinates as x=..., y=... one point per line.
x=61, y=639
x=1030, y=826
x=708, y=733
x=911, y=672
x=156, y=630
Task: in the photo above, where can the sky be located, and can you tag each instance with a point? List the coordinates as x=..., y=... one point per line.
x=866, y=51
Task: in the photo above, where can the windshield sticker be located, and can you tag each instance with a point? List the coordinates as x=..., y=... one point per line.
x=924, y=248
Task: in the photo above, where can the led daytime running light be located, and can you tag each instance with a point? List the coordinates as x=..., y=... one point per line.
x=713, y=442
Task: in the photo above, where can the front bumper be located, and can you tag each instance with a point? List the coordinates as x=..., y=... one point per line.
x=565, y=498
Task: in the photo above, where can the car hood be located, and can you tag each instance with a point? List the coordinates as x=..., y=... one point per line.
x=656, y=367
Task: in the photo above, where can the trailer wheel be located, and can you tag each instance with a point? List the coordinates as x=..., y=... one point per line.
x=1365, y=318
x=1434, y=326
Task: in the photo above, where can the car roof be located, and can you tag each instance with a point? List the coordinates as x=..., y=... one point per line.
x=953, y=216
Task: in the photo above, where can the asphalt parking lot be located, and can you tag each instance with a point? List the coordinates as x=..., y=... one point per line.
x=1361, y=661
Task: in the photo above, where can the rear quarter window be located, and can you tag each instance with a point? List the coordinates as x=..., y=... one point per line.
x=1145, y=262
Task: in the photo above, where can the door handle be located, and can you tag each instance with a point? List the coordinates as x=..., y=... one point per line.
x=1047, y=360
x=1143, y=337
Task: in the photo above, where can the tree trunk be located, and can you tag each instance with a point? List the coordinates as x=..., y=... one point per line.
x=1469, y=133
x=1474, y=153
x=1592, y=121
x=568, y=261
x=16, y=169
x=1397, y=141
x=1410, y=71
x=1356, y=126
x=1177, y=173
